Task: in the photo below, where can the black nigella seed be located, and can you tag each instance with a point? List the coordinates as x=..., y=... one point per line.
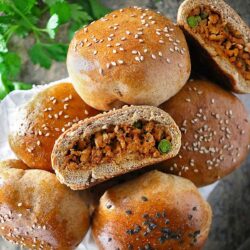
x=165, y=230
x=109, y=239
x=144, y=198
x=158, y=215
x=152, y=225
x=197, y=233
x=190, y=216
x=137, y=229
x=130, y=231
x=162, y=239
x=109, y=206
x=145, y=233
x=194, y=208
x=145, y=216
x=167, y=221
x=148, y=247
x=129, y=212
x=164, y=214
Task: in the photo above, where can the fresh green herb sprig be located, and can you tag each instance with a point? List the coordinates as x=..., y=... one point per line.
x=20, y=18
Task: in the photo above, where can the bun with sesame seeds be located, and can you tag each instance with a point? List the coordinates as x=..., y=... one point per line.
x=130, y=56
x=215, y=132
x=38, y=212
x=219, y=41
x=153, y=211
x=111, y=144
x=40, y=122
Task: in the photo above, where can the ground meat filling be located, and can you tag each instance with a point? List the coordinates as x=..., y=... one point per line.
x=143, y=139
x=227, y=42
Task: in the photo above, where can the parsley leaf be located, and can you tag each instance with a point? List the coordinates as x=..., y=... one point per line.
x=3, y=46
x=98, y=9
x=62, y=9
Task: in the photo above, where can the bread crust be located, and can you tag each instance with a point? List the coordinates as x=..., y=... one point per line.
x=224, y=70
x=137, y=213
x=119, y=60
x=215, y=132
x=36, y=211
x=84, y=178
x=40, y=122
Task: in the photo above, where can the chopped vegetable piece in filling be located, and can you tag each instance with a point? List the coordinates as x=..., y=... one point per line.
x=227, y=42
x=140, y=140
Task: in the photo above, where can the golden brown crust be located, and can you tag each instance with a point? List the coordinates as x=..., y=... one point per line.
x=131, y=56
x=153, y=211
x=84, y=178
x=220, y=65
x=40, y=122
x=215, y=132
x=38, y=212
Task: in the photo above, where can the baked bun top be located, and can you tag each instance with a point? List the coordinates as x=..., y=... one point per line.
x=153, y=211
x=128, y=56
x=40, y=122
x=215, y=132
x=36, y=211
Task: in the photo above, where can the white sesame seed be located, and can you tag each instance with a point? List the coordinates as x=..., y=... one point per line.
x=141, y=41
x=141, y=58
x=95, y=52
x=161, y=41
x=66, y=116
x=137, y=58
x=128, y=32
x=19, y=204
x=121, y=49
x=117, y=44
x=113, y=63
x=171, y=50
x=47, y=134
x=38, y=143
x=187, y=100
x=123, y=38
x=114, y=51
x=89, y=44
x=145, y=50
x=120, y=61
x=108, y=65
x=160, y=53
x=134, y=52
x=101, y=71
x=180, y=65
x=63, y=129
x=110, y=39
x=168, y=60
x=153, y=56
x=108, y=45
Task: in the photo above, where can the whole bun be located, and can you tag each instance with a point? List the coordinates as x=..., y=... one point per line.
x=153, y=211
x=215, y=132
x=130, y=56
x=38, y=212
x=42, y=120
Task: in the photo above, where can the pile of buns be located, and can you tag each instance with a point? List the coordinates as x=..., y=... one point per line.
x=124, y=146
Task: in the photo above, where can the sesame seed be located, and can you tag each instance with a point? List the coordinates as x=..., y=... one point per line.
x=108, y=65
x=47, y=134
x=153, y=56
x=95, y=52
x=168, y=60
x=113, y=63
x=101, y=71
x=128, y=32
x=89, y=44
x=123, y=38
x=187, y=100
x=137, y=58
x=145, y=50
x=180, y=65
x=117, y=44
x=134, y=52
x=19, y=204
x=121, y=49
x=141, y=41
x=66, y=116
x=161, y=41
x=38, y=143
x=160, y=53
x=63, y=129
x=171, y=50
x=212, y=101
x=120, y=61
x=114, y=51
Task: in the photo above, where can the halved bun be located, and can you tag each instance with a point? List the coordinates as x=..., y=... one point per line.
x=212, y=58
x=117, y=146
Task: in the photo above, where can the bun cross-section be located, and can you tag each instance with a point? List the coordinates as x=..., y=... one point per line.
x=114, y=143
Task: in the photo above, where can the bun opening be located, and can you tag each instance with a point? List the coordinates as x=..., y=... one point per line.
x=219, y=34
x=114, y=142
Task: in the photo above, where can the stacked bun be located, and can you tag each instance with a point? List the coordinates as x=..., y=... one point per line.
x=131, y=56
x=41, y=121
x=38, y=212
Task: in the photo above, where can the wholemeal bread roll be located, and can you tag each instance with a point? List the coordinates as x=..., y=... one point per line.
x=215, y=132
x=40, y=122
x=153, y=211
x=38, y=212
x=114, y=143
x=130, y=56
x=219, y=41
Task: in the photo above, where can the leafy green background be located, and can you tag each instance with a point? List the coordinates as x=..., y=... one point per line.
x=22, y=18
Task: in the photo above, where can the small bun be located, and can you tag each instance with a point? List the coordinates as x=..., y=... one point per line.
x=40, y=122
x=114, y=143
x=38, y=212
x=215, y=132
x=153, y=211
x=130, y=56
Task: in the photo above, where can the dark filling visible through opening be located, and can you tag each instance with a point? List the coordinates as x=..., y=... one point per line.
x=226, y=41
x=144, y=138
